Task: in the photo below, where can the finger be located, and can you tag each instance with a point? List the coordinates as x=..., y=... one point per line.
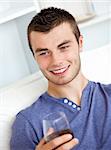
x=42, y=142
x=59, y=141
x=50, y=130
x=69, y=145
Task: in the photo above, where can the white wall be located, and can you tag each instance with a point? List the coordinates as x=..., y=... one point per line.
x=102, y=6
x=13, y=64
x=22, y=23
x=96, y=35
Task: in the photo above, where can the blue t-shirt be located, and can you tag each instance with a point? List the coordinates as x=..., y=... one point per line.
x=90, y=122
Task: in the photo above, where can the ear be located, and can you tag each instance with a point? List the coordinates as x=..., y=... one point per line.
x=80, y=43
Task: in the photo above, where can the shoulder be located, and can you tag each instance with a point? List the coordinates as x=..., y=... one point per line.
x=105, y=88
x=34, y=110
x=101, y=97
x=99, y=93
x=28, y=123
x=100, y=87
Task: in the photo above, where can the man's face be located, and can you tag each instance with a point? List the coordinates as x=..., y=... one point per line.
x=57, y=54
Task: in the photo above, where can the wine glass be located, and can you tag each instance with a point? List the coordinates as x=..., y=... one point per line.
x=54, y=125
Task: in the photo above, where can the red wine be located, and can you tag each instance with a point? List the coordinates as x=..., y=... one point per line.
x=58, y=133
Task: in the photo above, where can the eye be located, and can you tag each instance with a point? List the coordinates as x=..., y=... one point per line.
x=64, y=47
x=44, y=53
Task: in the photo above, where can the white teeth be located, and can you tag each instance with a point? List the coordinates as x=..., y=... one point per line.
x=60, y=70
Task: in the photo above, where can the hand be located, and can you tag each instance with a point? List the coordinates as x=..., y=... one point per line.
x=64, y=142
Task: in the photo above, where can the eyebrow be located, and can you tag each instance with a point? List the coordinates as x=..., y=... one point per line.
x=46, y=49
x=40, y=50
x=63, y=43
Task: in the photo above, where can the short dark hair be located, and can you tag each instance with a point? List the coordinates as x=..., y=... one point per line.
x=49, y=18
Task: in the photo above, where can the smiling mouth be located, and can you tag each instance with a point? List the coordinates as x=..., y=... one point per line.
x=60, y=71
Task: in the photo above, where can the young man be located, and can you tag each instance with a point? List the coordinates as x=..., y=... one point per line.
x=56, y=42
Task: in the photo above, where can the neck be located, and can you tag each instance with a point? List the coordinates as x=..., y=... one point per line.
x=72, y=90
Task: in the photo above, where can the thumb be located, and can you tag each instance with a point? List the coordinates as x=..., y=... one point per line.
x=50, y=131
x=41, y=143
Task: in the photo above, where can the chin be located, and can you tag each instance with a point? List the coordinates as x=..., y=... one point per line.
x=60, y=81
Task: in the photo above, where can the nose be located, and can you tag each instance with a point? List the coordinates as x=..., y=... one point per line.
x=56, y=59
